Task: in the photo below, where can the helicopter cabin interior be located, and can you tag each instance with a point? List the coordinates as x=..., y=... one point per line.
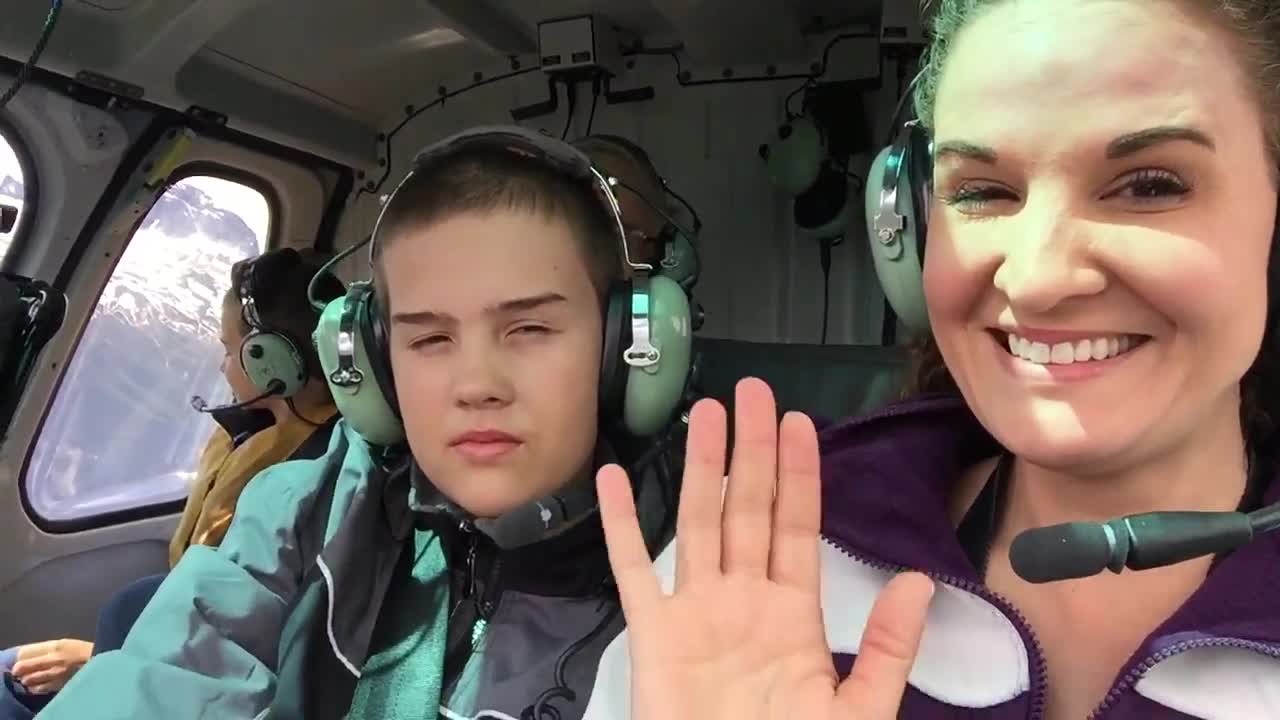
x=146, y=145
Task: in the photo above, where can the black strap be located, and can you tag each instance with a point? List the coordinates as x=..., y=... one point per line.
x=317, y=443
x=981, y=523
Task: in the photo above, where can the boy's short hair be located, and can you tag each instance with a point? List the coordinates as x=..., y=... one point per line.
x=485, y=179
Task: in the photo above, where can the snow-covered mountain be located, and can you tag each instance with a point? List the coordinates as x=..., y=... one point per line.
x=122, y=425
x=10, y=188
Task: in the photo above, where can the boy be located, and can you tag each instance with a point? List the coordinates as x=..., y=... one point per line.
x=354, y=586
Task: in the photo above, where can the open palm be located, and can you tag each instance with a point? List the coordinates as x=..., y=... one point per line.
x=742, y=634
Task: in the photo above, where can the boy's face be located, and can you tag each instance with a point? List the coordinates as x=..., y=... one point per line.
x=495, y=340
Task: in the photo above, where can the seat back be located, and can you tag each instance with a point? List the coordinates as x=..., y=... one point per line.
x=827, y=382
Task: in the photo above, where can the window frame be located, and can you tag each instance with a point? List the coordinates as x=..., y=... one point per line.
x=198, y=168
x=30, y=192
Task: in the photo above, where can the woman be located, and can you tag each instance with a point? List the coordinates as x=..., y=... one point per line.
x=1097, y=281
x=243, y=444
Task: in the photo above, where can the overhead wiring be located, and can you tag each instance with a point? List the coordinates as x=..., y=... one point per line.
x=682, y=78
x=24, y=73
x=444, y=95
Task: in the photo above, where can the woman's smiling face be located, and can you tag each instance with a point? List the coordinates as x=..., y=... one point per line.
x=1096, y=267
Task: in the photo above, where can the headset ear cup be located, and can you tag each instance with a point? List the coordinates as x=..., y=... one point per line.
x=653, y=393
x=617, y=338
x=377, y=340
x=271, y=360
x=920, y=175
x=356, y=389
x=890, y=192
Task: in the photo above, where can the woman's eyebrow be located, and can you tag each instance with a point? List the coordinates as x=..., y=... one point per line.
x=1121, y=147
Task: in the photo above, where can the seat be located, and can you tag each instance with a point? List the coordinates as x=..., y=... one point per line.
x=827, y=382
x=31, y=312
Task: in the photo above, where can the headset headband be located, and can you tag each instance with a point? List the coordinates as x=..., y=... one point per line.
x=558, y=154
x=247, y=284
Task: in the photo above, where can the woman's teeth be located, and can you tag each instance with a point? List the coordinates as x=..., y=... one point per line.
x=1065, y=353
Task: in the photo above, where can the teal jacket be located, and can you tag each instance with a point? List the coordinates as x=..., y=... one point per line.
x=332, y=597
x=210, y=642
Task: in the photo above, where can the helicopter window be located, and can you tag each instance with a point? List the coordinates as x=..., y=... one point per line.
x=13, y=189
x=121, y=434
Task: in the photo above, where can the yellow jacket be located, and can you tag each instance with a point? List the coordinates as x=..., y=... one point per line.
x=224, y=471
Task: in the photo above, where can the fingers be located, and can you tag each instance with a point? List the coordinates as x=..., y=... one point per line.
x=793, y=557
x=43, y=682
x=35, y=665
x=632, y=569
x=753, y=474
x=873, y=691
x=37, y=649
x=698, y=519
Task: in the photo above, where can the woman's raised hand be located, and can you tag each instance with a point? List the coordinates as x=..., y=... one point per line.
x=742, y=635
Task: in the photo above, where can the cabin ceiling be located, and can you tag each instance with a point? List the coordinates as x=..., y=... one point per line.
x=347, y=68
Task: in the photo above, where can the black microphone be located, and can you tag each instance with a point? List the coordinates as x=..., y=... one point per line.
x=1137, y=542
x=199, y=404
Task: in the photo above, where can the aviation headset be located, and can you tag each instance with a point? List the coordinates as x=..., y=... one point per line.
x=271, y=359
x=680, y=260
x=897, y=195
x=647, y=330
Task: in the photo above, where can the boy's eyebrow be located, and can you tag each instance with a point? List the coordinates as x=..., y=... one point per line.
x=526, y=303
x=431, y=317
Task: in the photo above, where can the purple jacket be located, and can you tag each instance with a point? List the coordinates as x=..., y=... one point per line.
x=884, y=509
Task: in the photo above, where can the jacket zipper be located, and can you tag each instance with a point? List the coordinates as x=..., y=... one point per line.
x=1039, y=679
x=1136, y=672
x=1039, y=676
x=481, y=597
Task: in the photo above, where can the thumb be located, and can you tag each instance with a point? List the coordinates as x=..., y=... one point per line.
x=873, y=690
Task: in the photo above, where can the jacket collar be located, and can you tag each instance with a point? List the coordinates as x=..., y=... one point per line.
x=885, y=483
